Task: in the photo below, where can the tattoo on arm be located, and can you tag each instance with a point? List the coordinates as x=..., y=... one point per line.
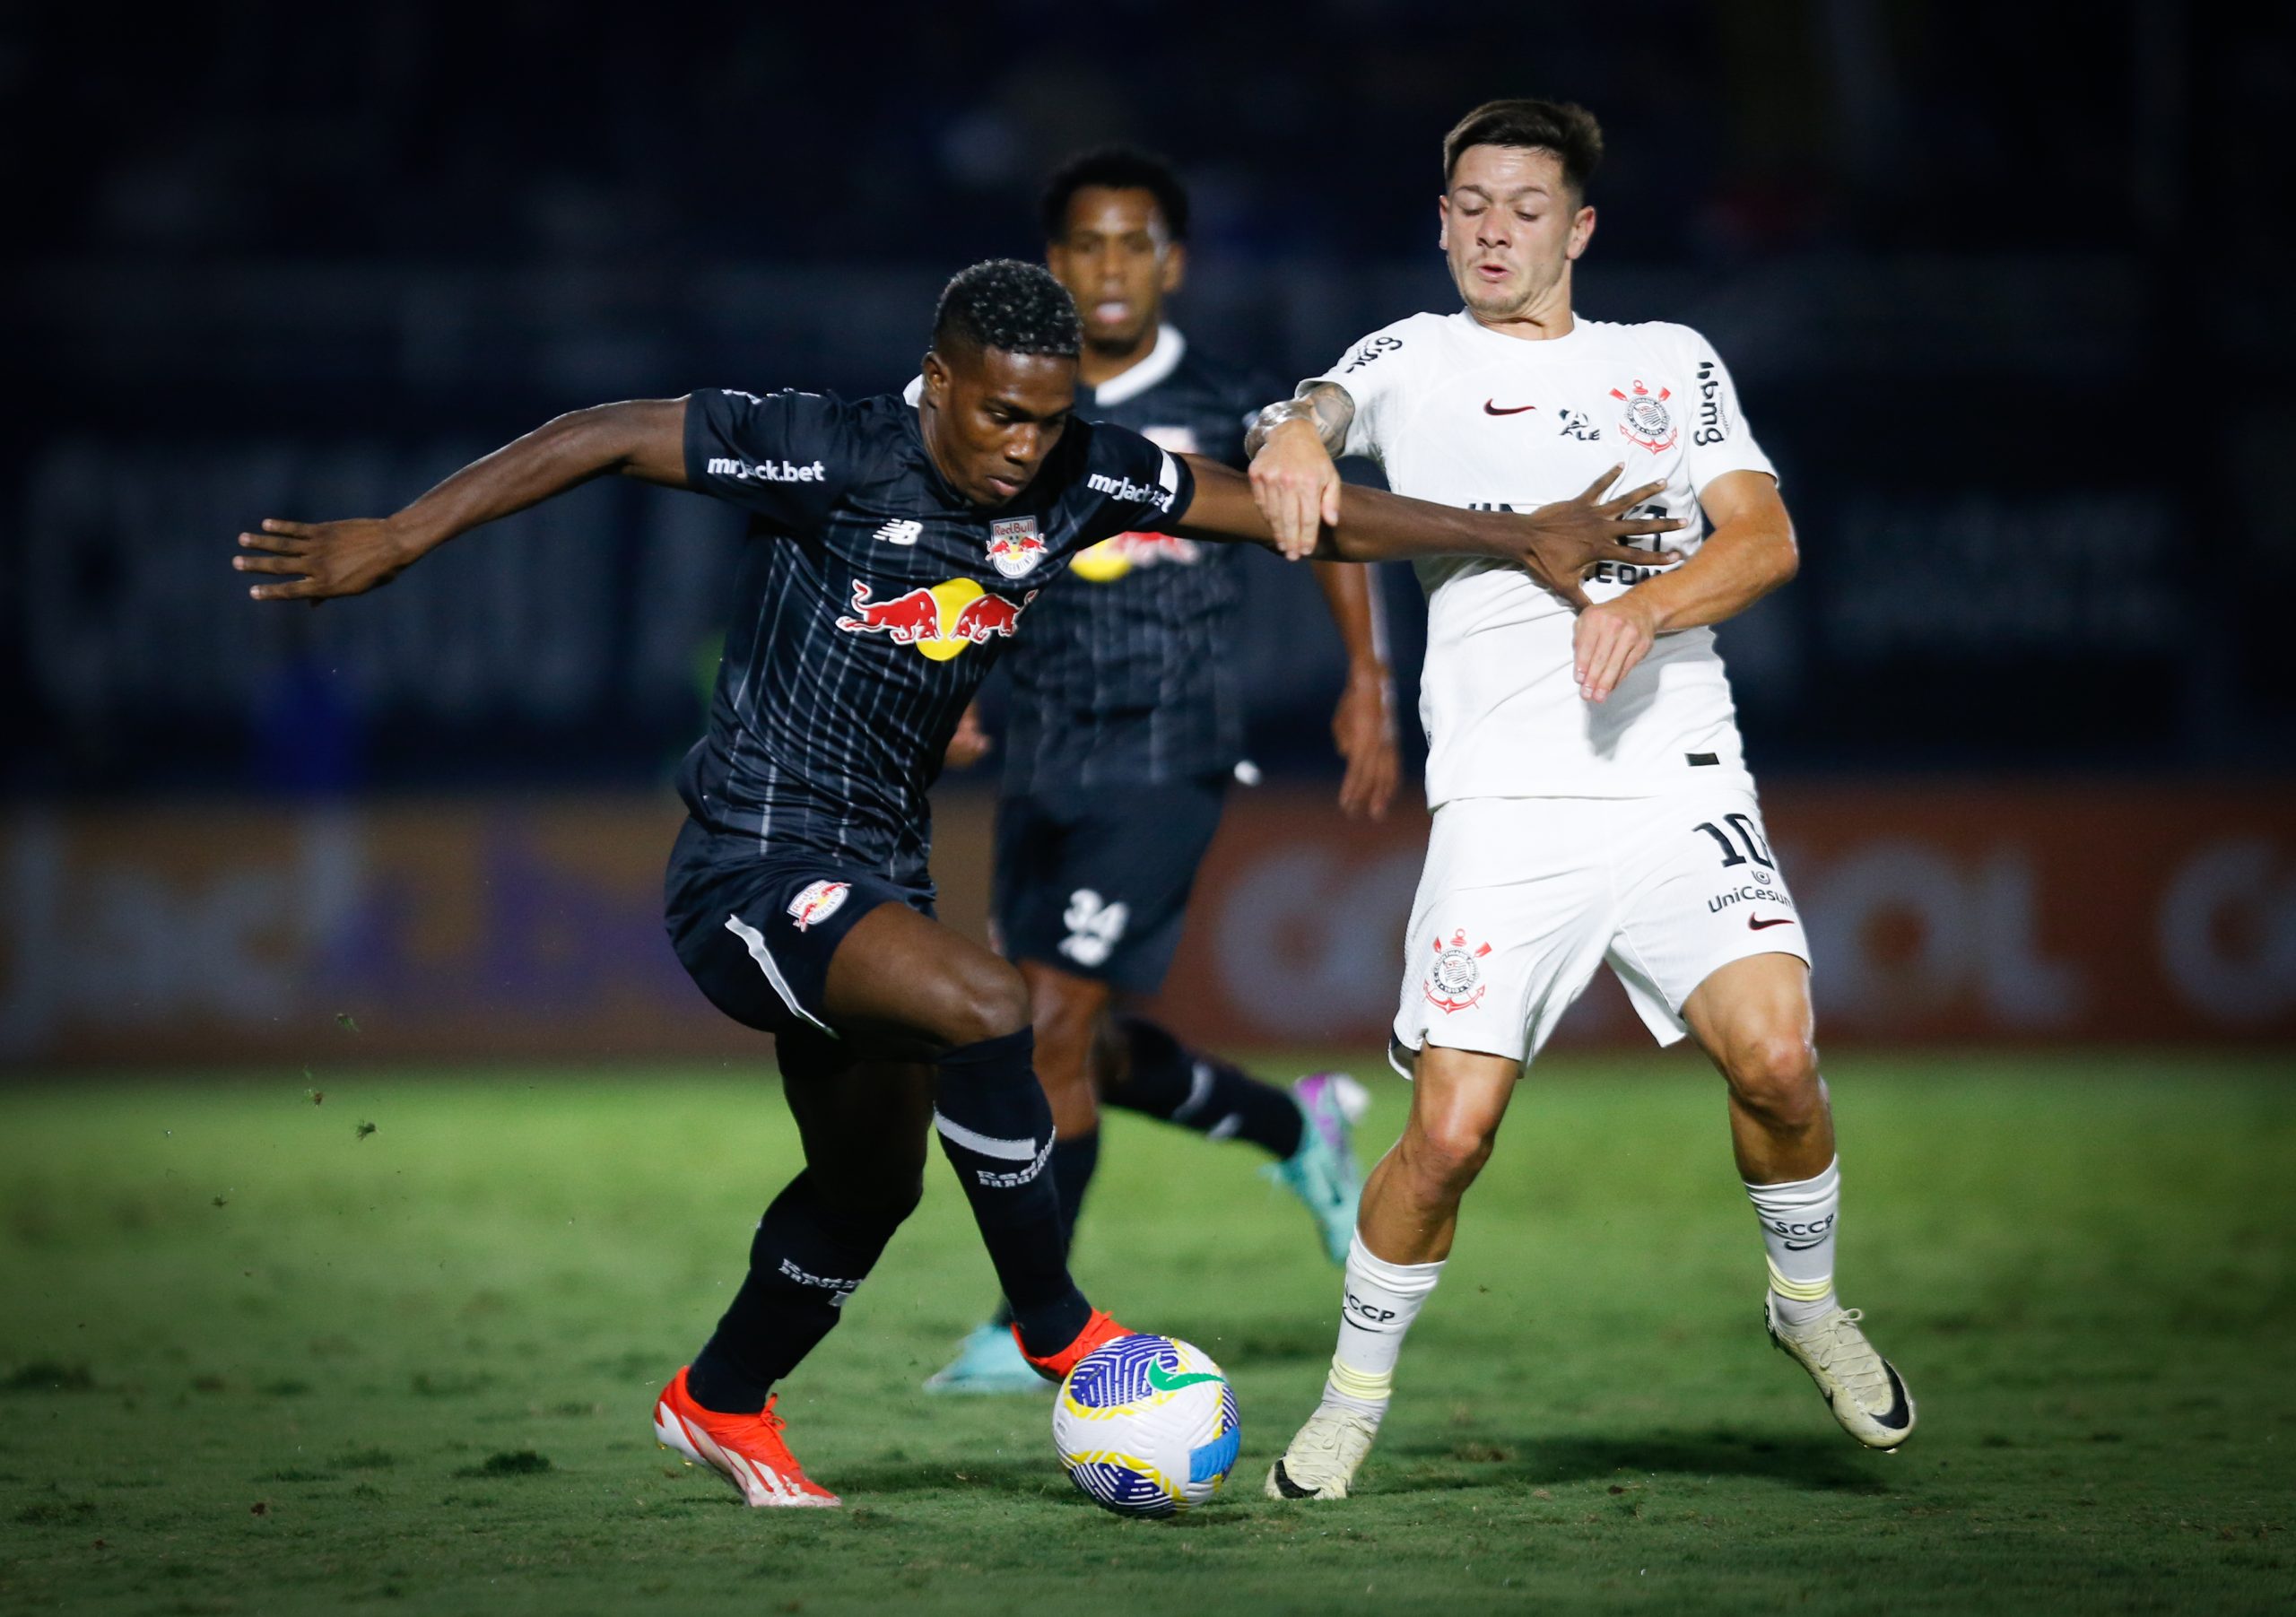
x=1324, y=405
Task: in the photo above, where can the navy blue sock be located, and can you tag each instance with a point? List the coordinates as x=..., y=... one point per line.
x=1074, y=1159
x=1165, y=1079
x=995, y=1129
x=804, y=1261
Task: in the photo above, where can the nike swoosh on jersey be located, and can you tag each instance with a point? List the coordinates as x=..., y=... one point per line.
x=1165, y=1381
x=1491, y=407
x=1754, y=926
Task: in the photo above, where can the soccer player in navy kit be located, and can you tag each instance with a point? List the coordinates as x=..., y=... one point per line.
x=1126, y=725
x=902, y=547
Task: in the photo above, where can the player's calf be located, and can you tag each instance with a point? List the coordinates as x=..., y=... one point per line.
x=995, y=1129
x=1775, y=1088
x=811, y=1252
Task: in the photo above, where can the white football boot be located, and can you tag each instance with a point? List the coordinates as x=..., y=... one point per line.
x=1323, y=1457
x=1863, y=1389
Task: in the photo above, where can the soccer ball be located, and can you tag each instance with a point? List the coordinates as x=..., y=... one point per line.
x=1146, y=1426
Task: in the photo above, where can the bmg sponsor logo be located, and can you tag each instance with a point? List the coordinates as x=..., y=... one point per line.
x=1711, y=429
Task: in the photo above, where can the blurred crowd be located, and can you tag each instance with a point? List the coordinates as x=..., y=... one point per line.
x=2002, y=286
x=429, y=130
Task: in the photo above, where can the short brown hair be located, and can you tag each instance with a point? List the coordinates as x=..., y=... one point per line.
x=1562, y=127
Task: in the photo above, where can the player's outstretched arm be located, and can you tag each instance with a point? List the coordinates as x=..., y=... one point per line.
x=1363, y=726
x=1292, y=447
x=1750, y=553
x=1555, y=543
x=317, y=560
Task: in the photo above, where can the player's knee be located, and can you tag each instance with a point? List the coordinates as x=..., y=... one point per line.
x=989, y=1001
x=1775, y=1076
x=1067, y=1024
x=1446, y=1154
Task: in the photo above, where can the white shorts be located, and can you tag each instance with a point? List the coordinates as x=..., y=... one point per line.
x=1523, y=897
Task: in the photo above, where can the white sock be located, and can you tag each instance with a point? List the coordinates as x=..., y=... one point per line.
x=1797, y=1226
x=1380, y=1301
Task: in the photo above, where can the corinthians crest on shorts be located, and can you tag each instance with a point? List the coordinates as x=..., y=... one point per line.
x=1646, y=421
x=1455, y=981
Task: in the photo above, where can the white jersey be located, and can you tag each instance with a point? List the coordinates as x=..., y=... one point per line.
x=1457, y=413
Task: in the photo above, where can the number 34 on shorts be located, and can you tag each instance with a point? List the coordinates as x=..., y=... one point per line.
x=1523, y=898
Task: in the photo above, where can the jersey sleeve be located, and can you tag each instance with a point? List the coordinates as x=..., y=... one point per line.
x=785, y=456
x=1720, y=442
x=1373, y=372
x=1135, y=486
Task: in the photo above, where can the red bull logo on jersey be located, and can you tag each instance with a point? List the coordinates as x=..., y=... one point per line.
x=817, y=901
x=1646, y=422
x=940, y=622
x=1014, y=546
x=1111, y=559
x=1455, y=981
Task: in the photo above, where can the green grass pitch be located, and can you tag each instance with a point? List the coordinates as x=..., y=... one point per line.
x=259, y=1357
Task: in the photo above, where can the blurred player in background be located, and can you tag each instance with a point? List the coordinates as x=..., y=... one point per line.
x=900, y=546
x=1591, y=798
x=1126, y=725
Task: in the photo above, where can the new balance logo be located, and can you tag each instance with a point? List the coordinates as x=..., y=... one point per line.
x=764, y=471
x=901, y=531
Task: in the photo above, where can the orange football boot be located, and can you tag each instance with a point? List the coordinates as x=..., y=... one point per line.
x=1099, y=1331
x=746, y=1450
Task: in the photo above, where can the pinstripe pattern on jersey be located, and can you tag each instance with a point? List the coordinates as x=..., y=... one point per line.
x=827, y=736
x=1128, y=676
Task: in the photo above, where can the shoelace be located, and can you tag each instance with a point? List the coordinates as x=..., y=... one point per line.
x=1859, y=1378
x=1326, y=1438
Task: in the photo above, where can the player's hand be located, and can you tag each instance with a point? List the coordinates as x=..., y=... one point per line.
x=317, y=561
x=1606, y=643
x=1363, y=729
x=971, y=743
x=1296, y=487
x=1572, y=535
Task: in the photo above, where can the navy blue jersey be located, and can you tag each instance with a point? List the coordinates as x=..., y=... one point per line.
x=1125, y=675
x=871, y=601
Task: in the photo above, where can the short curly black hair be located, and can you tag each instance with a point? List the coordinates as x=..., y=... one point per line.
x=1118, y=168
x=1006, y=304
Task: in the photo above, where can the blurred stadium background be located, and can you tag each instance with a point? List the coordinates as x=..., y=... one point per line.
x=2004, y=289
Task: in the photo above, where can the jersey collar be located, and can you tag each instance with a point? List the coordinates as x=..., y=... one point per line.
x=1158, y=363
x=1569, y=341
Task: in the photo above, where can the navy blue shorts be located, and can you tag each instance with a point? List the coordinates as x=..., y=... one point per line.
x=1096, y=882
x=756, y=930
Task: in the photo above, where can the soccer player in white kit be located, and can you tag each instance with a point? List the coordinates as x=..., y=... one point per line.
x=1591, y=798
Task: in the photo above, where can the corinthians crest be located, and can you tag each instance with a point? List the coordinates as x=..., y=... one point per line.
x=1455, y=981
x=1646, y=422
